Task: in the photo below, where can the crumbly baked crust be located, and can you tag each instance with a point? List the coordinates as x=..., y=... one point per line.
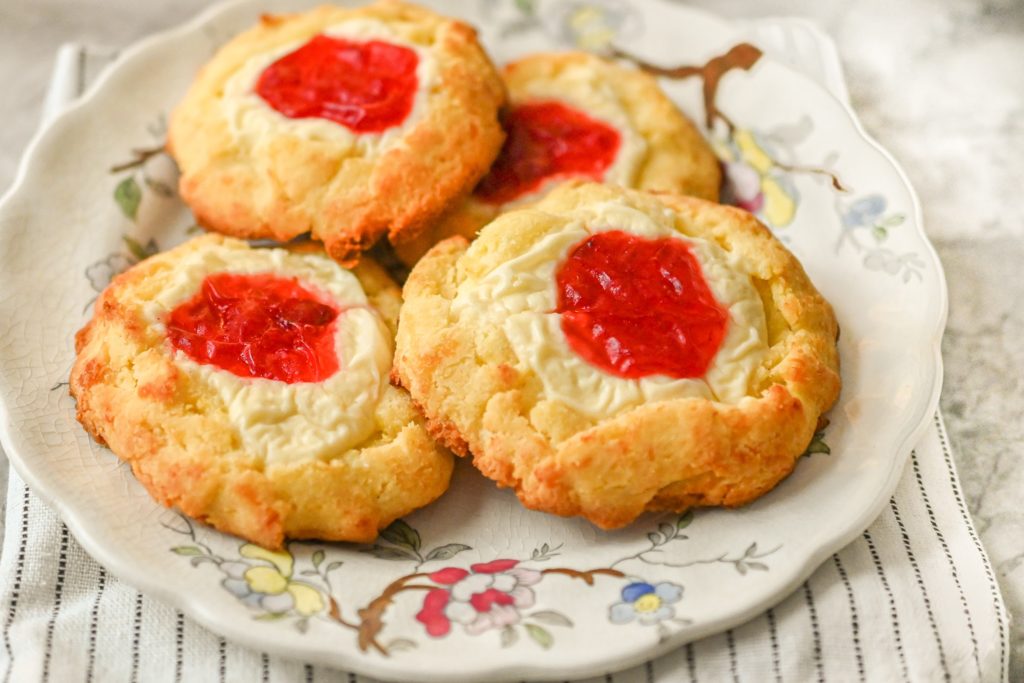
x=671, y=455
x=678, y=158
x=348, y=199
x=175, y=433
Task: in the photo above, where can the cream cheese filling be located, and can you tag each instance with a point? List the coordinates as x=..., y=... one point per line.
x=520, y=295
x=279, y=422
x=253, y=121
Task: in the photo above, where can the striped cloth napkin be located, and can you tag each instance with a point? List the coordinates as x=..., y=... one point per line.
x=914, y=598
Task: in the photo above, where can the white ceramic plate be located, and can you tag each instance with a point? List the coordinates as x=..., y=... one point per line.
x=567, y=600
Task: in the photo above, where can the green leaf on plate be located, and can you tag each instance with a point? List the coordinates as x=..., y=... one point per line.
x=187, y=550
x=138, y=250
x=160, y=187
x=270, y=616
x=684, y=519
x=400, y=533
x=399, y=644
x=509, y=636
x=526, y=6
x=818, y=445
x=552, y=618
x=446, y=552
x=387, y=553
x=893, y=220
x=318, y=557
x=128, y=196
x=540, y=635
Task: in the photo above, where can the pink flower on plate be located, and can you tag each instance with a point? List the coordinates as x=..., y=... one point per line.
x=744, y=186
x=489, y=595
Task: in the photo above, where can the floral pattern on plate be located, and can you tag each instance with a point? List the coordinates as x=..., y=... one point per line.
x=494, y=596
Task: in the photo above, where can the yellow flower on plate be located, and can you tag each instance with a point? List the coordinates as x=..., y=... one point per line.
x=307, y=600
x=282, y=559
x=755, y=179
x=779, y=207
x=276, y=579
x=266, y=580
x=751, y=152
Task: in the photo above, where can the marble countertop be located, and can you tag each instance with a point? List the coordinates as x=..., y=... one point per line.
x=937, y=82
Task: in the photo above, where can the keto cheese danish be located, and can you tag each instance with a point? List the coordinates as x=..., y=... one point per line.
x=609, y=351
x=345, y=123
x=249, y=389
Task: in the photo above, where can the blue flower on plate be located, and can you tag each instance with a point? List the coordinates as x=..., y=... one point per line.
x=864, y=211
x=646, y=603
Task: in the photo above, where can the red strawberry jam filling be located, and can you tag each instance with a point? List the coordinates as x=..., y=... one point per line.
x=634, y=306
x=367, y=87
x=257, y=326
x=548, y=140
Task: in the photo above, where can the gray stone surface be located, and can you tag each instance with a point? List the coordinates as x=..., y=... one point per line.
x=938, y=82
x=983, y=402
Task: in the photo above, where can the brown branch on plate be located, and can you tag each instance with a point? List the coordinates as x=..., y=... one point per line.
x=334, y=612
x=586, y=576
x=813, y=170
x=142, y=155
x=371, y=617
x=742, y=56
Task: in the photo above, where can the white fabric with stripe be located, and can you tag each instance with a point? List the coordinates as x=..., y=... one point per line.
x=914, y=598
